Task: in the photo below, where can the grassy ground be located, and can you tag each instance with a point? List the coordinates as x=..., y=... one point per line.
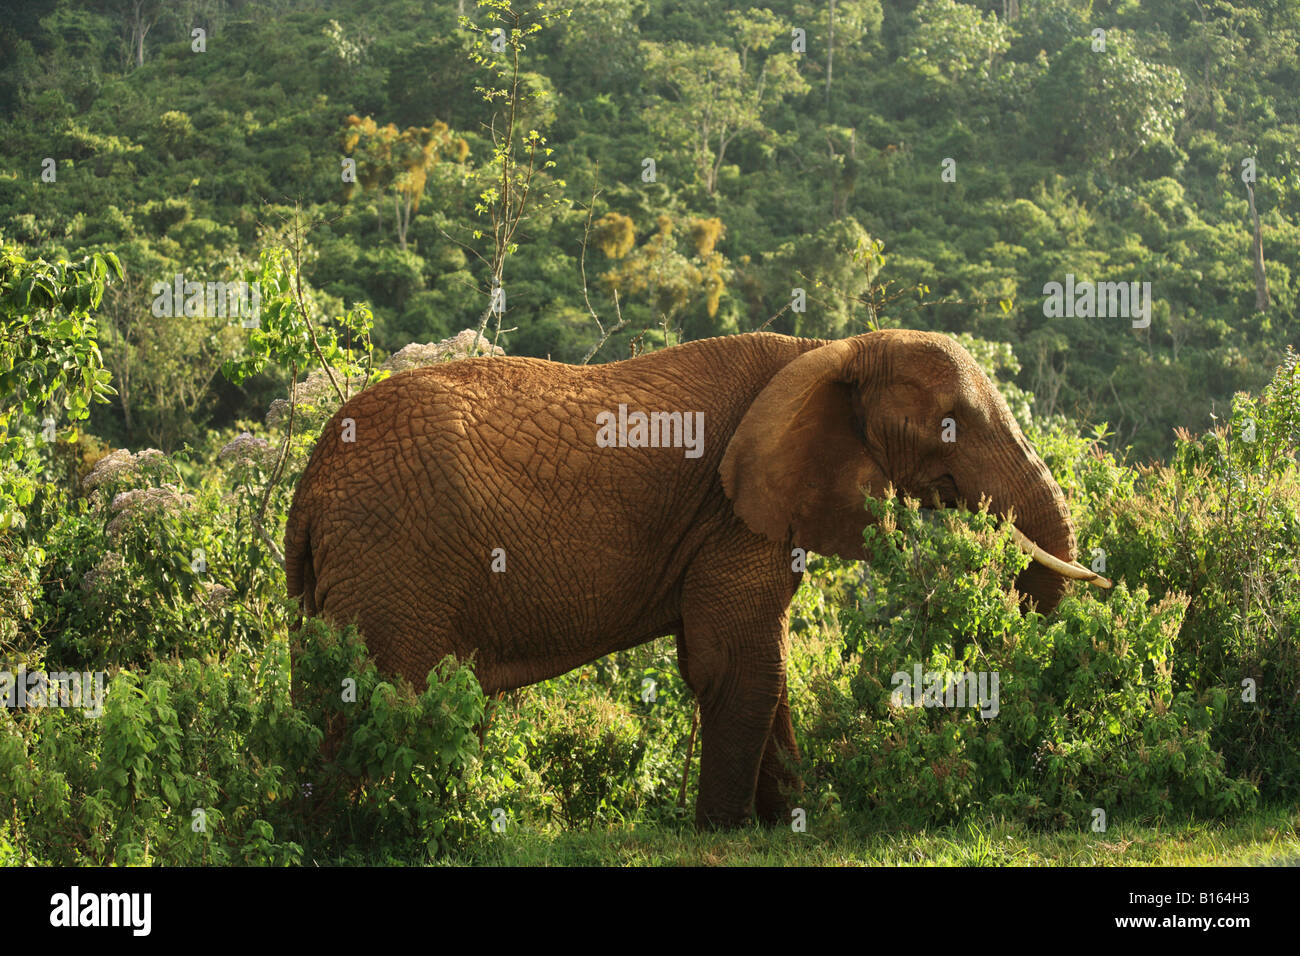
x=1266, y=838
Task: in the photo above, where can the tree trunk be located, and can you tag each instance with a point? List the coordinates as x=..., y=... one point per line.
x=1262, y=300
x=141, y=19
x=138, y=29
x=830, y=55
x=124, y=396
x=830, y=145
x=717, y=164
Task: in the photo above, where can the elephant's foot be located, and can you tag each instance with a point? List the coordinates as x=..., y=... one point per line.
x=771, y=805
x=721, y=818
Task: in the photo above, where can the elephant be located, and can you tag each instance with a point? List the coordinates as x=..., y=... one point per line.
x=532, y=516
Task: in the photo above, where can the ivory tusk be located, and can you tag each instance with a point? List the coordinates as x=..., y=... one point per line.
x=1066, y=569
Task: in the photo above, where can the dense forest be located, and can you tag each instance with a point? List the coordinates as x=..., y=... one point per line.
x=934, y=165
x=1100, y=200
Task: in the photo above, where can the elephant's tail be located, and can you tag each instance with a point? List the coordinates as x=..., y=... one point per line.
x=299, y=571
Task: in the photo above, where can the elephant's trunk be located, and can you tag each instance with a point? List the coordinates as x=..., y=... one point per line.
x=1043, y=517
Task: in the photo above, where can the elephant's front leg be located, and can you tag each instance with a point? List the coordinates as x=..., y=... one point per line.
x=736, y=648
x=735, y=724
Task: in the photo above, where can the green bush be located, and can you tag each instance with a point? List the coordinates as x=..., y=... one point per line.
x=588, y=751
x=1087, y=714
x=182, y=767
x=605, y=743
x=148, y=566
x=208, y=760
x=1221, y=523
x=394, y=759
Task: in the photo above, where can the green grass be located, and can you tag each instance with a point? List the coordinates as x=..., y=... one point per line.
x=1265, y=838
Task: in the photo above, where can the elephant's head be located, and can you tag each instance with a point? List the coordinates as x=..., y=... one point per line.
x=897, y=407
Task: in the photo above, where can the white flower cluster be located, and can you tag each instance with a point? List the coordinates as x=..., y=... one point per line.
x=109, y=565
x=248, y=450
x=122, y=463
x=214, y=596
x=143, y=502
x=315, y=389
x=467, y=344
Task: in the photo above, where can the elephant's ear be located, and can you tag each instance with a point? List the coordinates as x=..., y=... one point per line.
x=797, y=462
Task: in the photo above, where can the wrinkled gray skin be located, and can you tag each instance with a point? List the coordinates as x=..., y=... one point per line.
x=607, y=548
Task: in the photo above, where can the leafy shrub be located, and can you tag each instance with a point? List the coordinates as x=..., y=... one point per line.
x=394, y=758
x=1087, y=713
x=210, y=761
x=147, y=566
x=588, y=752
x=179, y=768
x=605, y=743
x=1221, y=523
x=50, y=364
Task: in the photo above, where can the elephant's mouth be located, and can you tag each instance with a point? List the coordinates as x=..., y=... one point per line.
x=944, y=492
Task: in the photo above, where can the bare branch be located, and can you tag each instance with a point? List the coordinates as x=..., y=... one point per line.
x=301, y=302
x=605, y=336
x=784, y=309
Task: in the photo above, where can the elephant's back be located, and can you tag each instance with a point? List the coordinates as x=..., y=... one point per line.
x=438, y=427
x=462, y=449
x=427, y=465
x=442, y=405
